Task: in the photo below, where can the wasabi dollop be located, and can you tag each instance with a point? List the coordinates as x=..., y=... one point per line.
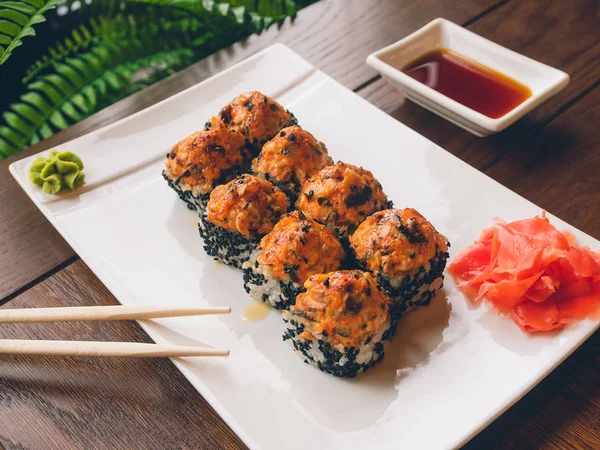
x=57, y=171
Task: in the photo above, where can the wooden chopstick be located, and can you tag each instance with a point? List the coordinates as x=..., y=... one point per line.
x=104, y=349
x=86, y=313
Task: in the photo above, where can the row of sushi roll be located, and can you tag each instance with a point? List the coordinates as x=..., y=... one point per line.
x=224, y=148
x=319, y=241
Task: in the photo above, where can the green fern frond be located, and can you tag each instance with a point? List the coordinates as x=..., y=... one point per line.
x=80, y=39
x=83, y=85
x=17, y=18
x=122, y=26
x=115, y=48
x=263, y=13
x=252, y=15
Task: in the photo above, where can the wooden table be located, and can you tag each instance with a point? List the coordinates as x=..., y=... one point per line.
x=551, y=157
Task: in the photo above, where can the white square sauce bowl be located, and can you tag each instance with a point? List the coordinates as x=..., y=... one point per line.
x=543, y=81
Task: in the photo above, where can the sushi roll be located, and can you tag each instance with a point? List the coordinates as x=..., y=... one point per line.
x=339, y=322
x=203, y=160
x=295, y=249
x=238, y=214
x=341, y=197
x=406, y=255
x=290, y=158
x=258, y=117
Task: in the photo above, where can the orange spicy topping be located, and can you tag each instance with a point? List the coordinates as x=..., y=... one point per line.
x=205, y=158
x=348, y=306
x=255, y=115
x=292, y=156
x=396, y=241
x=247, y=205
x=298, y=247
x=342, y=196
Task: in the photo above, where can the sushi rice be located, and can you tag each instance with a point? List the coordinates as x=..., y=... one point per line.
x=223, y=245
x=340, y=361
x=261, y=285
x=195, y=200
x=338, y=324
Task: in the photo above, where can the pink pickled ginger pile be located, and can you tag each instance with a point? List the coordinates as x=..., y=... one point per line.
x=530, y=270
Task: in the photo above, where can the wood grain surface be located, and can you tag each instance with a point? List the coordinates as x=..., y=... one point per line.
x=549, y=157
x=77, y=403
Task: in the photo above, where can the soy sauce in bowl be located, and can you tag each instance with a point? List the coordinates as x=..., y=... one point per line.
x=468, y=82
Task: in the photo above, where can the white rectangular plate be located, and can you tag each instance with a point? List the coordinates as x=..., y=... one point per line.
x=452, y=368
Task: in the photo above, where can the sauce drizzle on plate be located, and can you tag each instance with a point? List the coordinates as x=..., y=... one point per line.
x=256, y=312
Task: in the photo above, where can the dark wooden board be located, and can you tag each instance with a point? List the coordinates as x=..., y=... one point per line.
x=560, y=169
x=335, y=35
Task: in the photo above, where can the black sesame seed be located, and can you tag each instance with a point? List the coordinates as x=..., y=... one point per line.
x=359, y=196
x=215, y=148
x=353, y=306
x=412, y=231
x=225, y=117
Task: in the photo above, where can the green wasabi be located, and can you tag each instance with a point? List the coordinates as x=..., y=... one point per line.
x=57, y=171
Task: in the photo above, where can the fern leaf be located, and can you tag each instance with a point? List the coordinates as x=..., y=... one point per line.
x=17, y=19
x=83, y=85
x=79, y=40
x=129, y=45
x=185, y=28
x=250, y=15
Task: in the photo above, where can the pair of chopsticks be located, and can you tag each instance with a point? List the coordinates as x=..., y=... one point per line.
x=104, y=349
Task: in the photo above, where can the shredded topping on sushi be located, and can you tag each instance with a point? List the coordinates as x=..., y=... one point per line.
x=396, y=241
x=255, y=115
x=342, y=196
x=346, y=307
x=247, y=205
x=299, y=247
x=291, y=157
x=206, y=158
